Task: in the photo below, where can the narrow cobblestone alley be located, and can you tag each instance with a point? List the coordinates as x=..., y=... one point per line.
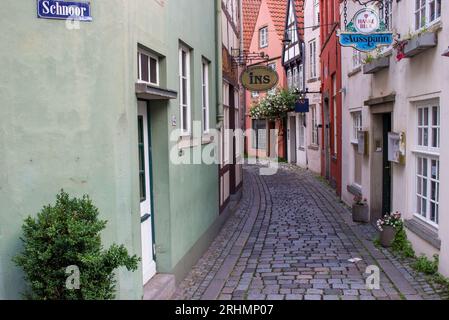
x=291, y=238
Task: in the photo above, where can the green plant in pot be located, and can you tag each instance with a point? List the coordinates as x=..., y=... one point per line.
x=360, y=210
x=388, y=226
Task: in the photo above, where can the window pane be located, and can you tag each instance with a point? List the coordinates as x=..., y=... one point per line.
x=184, y=118
x=426, y=137
x=184, y=91
x=184, y=63
x=153, y=70
x=144, y=67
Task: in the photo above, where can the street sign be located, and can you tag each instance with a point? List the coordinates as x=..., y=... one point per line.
x=302, y=106
x=366, y=32
x=259, y=78
x=63, y=10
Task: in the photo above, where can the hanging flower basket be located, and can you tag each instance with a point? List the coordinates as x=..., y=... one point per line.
x=274, y=106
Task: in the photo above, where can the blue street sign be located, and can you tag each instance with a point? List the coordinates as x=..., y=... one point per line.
x=63, y=10
x=365, y=42
x=302, y=106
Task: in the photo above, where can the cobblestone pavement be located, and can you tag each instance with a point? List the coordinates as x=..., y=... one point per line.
x=291, y=238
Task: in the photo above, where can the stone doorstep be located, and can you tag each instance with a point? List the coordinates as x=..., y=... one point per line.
x=160, y=287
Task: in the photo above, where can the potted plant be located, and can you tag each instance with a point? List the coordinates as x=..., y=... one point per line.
x=360, y=212
x=388, y=226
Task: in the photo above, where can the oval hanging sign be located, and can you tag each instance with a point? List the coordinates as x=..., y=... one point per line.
x=259, y=78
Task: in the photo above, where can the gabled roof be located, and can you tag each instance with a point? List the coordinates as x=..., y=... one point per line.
x=250, y=14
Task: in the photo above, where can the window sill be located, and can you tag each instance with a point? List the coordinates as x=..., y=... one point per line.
x=426, y=152
x=207, y=138
x=354, y=71
x=312, y=80
x=354, y=143
x=186, y=142
x=314, y=147
x=424, y=230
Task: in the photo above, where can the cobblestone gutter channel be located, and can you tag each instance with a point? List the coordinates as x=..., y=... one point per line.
x=291, y=238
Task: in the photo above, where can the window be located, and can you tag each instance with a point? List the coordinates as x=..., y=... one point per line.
x=205, y=96
x=301, y=77
x=314, y=125
x=356, y=58
x=316, y=12
x=382, y=13
x=426, y=12
x=295, y=78
x=272, y=66
x=357, y=125
x=429, y=127
x=302, y=131
x=312, y=59
x=184, y=83
x=289, y=79
x=358, y=158
x=259, y=134
x=147, y=68
x=428, y=188
x=334, y=99
x=142, y=180
x=428, y=163
x=263, y=37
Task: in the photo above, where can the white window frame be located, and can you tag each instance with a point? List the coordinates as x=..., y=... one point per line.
x=425, y=155
x=289, y=78
x=316, y=13
x=357, y=125
x=139, y=66
x=263, y=37
x=315, y=137
x=302, y=131
x=426, y=180
x=356, y=58
x=181, y=97
x=312, y=58
x=424, y=12
x=205, y=95
x=272, y=66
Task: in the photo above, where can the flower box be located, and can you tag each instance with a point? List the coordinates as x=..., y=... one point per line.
x=420, y=44
x=376, y=65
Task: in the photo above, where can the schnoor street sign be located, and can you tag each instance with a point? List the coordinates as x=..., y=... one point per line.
x=259, y=78
x=64, y=10
x=366, y=32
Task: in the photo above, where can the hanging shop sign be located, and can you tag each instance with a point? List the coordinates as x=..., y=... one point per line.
x=302, y=106
x=63, y=10
x=366, y=32
x=396, y=147
x=259, y=78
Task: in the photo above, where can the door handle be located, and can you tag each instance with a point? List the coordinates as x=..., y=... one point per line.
x=145, y=217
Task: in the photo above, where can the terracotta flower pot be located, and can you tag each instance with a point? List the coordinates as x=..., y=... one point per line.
x=387, y=236
x=360, y=213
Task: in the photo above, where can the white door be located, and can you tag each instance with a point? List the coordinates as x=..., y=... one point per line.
x=146, y=214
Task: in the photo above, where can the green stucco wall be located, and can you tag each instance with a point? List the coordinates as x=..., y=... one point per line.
x=68, y=120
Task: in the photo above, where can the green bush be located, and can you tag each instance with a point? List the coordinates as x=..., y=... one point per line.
x=401, y=244
x=68, y=234
x=424, y=265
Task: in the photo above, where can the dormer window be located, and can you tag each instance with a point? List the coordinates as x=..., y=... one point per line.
x=147, y=68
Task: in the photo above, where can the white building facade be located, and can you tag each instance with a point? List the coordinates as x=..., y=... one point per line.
x=397, y=109
x=304, y=128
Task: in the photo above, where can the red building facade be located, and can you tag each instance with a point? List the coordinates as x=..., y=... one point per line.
x=331, y=160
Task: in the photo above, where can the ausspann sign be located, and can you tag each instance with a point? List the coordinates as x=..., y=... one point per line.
x=366, y=32
x=259, y=78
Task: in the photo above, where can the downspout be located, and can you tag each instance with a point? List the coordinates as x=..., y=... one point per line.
x=219, y=64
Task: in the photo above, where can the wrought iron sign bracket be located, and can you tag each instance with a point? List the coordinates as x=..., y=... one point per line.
x=244, y=57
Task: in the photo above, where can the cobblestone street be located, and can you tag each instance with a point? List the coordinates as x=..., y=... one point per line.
x=291, y=238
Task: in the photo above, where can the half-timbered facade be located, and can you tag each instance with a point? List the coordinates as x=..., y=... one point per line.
x=230, y=169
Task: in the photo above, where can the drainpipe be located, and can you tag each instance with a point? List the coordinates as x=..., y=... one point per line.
x=219, y=64
x=243, y=104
